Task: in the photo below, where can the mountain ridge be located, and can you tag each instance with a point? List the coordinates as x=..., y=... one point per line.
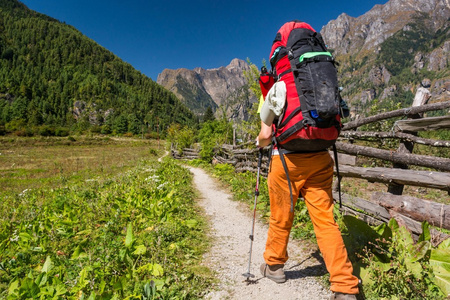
x=202, y=88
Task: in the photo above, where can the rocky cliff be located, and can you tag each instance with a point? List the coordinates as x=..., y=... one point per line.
x=216, y=88
x=391, y=51
x=347, y=34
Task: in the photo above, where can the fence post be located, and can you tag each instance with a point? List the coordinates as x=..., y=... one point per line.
x=421, y=98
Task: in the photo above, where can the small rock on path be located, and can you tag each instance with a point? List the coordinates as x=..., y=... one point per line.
x=230, y=223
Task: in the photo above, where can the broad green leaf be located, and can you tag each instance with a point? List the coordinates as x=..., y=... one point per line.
x=129, y=238
x=140, y=250
x=425, y=236
x=414, y=267
x=24, y=236
x=191, y=223
x=362, y=271
x=30, y=286
x=440, y=261
x=393, y=224
x=102, y=287
x=47, y=265
x=60, y=290
x=82, y=281
x=445, y=245
x=159, y=283
x=41, y=280
x=360, y=230
x=403, y=237
x=76, y=252
x=13, y=288
x=420, y=250
x=384, y=231
x=157, y=270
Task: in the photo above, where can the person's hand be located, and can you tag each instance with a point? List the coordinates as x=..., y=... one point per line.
x=257, y=142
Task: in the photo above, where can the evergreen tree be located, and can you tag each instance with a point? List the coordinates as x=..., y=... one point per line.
x=209, y=115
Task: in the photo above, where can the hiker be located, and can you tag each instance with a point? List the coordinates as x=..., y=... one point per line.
x=266, y=81
x=295, y=173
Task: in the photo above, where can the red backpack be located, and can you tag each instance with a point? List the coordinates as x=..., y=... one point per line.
x=310, y=121
x=266, y=81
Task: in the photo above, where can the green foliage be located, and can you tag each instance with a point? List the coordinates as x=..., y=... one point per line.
x=252, y=77
x=209, y=115
x=392, y=266
x=135, y=236
x=180, y=137
x=213, y=134
x=46, y=67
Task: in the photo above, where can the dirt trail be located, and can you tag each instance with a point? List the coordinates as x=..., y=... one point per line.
x=230, y=223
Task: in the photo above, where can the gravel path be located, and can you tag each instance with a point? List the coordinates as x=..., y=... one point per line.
x=230, y=223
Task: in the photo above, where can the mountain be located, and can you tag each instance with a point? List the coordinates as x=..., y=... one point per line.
x=52, y=75
x=391, y=50
x=222, y=89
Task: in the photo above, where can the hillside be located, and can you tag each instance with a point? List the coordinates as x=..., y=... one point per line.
x=390, y=51
x=53, y=75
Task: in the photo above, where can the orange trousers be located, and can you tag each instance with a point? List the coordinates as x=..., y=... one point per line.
x=311, y=174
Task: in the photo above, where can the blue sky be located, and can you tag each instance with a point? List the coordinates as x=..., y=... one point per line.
x=155, y=35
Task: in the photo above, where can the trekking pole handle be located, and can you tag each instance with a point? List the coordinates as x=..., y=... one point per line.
x=260, y=157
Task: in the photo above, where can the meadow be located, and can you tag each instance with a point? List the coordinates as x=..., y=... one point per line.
x=97, y=218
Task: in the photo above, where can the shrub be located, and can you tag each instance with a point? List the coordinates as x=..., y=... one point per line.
x=61, y=131
x=46, y=130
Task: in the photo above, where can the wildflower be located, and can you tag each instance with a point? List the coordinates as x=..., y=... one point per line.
x=159, y=187
x=23, y=192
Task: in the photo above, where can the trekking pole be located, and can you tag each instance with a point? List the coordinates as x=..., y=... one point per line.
x=248, y=274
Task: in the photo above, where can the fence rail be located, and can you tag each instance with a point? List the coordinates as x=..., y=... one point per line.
x=382, y=206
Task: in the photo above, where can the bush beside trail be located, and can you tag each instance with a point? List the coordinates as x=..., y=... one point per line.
x=135, y=236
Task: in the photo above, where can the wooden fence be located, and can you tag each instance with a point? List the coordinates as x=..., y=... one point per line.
x=429, y=172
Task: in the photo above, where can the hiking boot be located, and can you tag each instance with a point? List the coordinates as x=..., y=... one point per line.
x=275, y=272
x=341, y=296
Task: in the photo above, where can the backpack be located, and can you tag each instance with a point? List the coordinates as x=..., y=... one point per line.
x=310, y=121
x=266, y=81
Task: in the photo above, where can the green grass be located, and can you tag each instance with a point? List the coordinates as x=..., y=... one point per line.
x=118, y=225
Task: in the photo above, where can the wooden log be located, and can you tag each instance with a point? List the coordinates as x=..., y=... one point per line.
x=396, y=113
x=428, y=179
x=190, y=153
x=437, y=214
x=374, y=214
x=223, y=160
x=189, y=157
x=424, y=124
x=373, y=209
x=442, y=164
x=360, y=215
x=246, y=151
x=244, y=169
x=415, y=228
x=344, y=159
x=394, y=135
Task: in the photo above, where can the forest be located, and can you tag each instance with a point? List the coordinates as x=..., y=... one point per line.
x=54, y=80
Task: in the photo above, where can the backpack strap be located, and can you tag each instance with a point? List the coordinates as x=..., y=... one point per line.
x=286, y=170
x=337, y=174
x=281, y=152
x=317, y=58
